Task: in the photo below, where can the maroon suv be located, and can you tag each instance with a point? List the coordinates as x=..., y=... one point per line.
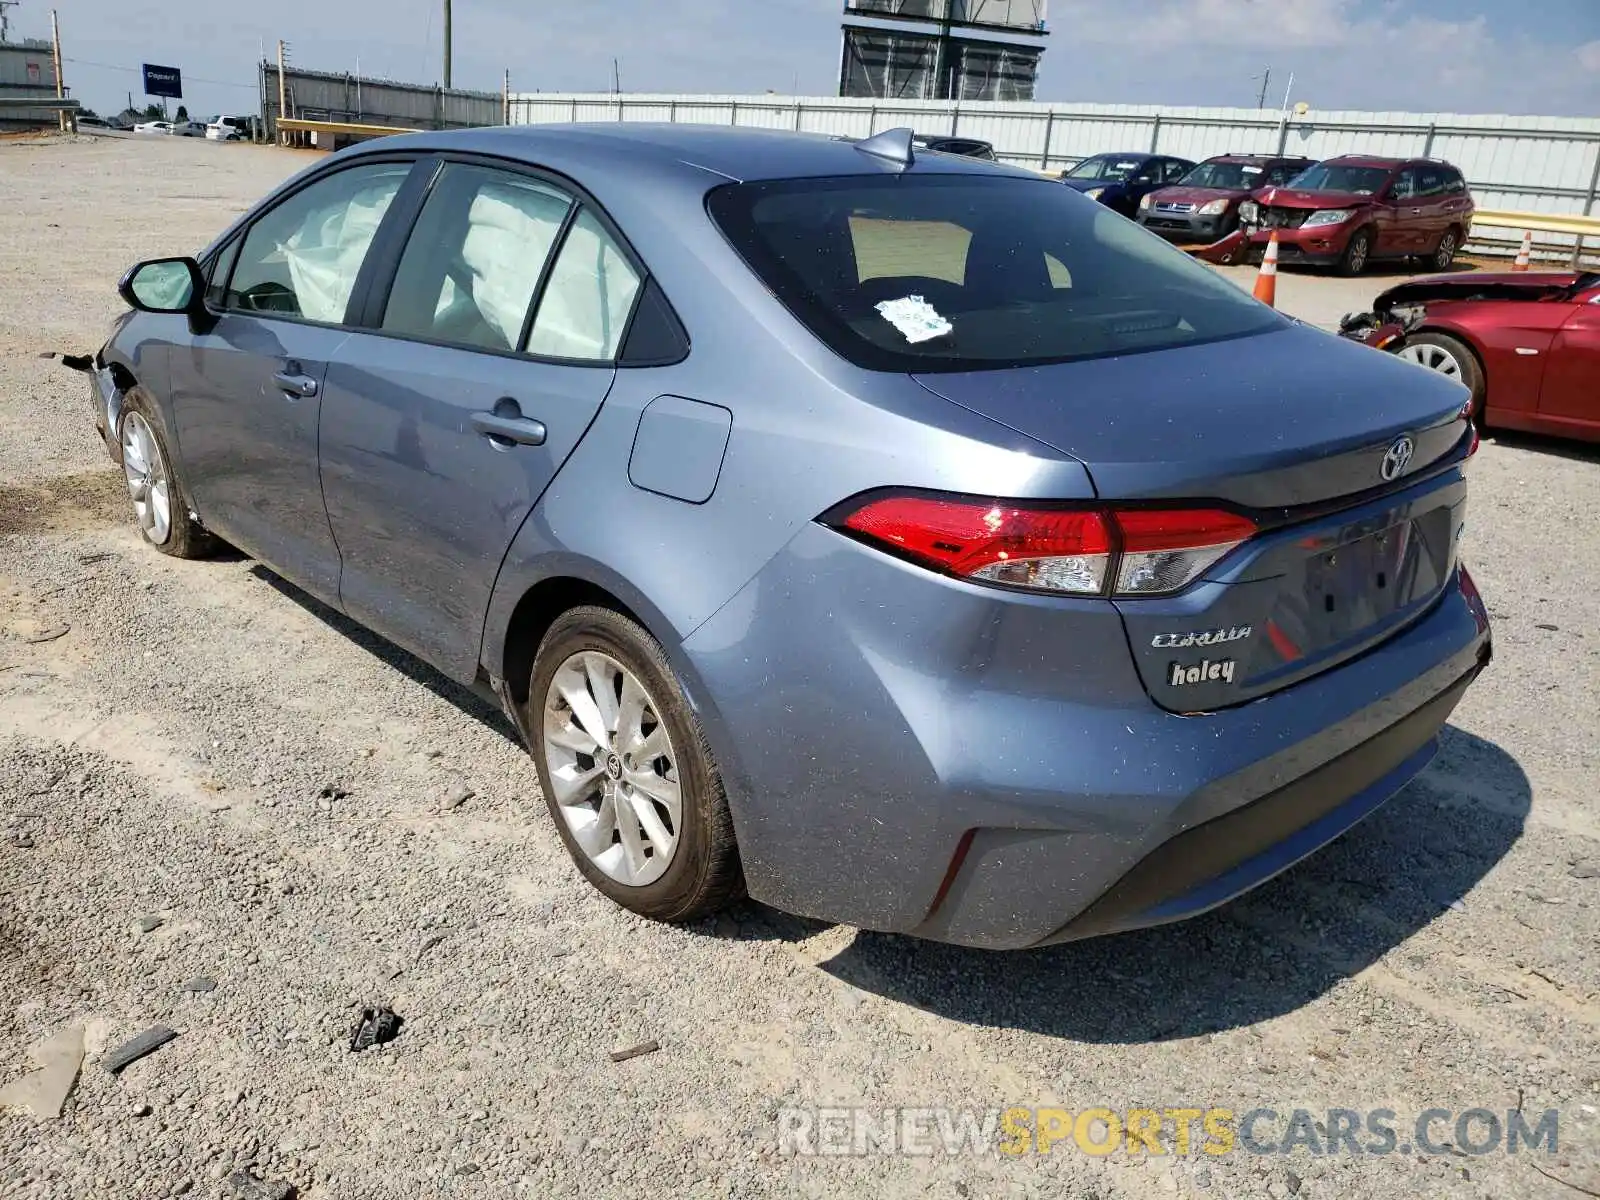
x=1349, y=210
x=1203, y=206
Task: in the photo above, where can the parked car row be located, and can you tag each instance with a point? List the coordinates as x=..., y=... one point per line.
x=171, y=128
x=1343, y=212
x=218, y=129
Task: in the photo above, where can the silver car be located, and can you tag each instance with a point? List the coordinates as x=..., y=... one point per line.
x=904, y=538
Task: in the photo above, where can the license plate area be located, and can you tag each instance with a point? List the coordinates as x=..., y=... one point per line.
x=1359, y=583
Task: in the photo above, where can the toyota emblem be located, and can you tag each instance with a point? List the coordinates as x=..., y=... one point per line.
x=1397, y=458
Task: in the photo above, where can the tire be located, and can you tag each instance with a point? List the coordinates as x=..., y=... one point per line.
x=1449, y=356
x=1357, y=253
x=701, y=873
x=1445, y=253
x=154, y=483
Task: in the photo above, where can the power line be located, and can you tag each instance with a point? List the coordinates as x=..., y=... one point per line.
x=84, y=62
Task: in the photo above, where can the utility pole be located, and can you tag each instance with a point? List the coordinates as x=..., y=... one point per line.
x=61, y=90
x=616, y=78
x=5, y=22
x=505, y=100
x=447, y=36
x=1261, y=100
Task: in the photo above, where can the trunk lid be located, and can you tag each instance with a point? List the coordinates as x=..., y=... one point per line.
x=1292, y=425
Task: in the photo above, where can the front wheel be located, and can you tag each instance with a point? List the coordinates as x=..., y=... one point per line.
x=626, y=771
x=160, y=501
x=1354, y=259
x=1449, y=357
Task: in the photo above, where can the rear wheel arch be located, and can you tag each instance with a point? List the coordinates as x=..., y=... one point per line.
x=538, y=609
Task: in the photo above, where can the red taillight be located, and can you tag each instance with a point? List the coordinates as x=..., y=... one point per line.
x=1466, y=415
x=1084, y=551
x=1053, y=549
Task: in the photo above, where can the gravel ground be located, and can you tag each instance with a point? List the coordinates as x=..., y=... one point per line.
x=223, y=810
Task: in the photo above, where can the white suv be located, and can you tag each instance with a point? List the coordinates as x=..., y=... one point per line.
x=227, y=129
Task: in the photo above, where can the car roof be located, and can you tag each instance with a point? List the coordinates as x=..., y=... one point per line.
x=1369, y=160
x=684, y=152
x=1257, y=158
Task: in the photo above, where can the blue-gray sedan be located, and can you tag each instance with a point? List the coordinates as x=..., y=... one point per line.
x=905, y=539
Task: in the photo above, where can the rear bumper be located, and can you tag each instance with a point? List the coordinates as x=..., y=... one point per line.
x=1206, y=866
x=908, y=753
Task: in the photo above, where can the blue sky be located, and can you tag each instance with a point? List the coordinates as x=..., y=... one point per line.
x=1518, y=56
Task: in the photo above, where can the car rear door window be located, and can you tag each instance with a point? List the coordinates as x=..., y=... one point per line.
x=473, y=263
x=584, y=308
x=301, y=258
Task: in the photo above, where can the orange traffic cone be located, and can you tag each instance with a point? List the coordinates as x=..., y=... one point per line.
x=1267, y=281
x=1524, y=254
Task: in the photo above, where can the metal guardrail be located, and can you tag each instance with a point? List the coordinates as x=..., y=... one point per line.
x=1567, y=225
x=30, y=103
x=350, y=128
x=1571, y=224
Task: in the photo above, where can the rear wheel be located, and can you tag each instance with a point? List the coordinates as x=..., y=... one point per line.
x=160, y=501
x=626, y=770
x=1445, y=254
x=1356, y=253
x=1450, y=357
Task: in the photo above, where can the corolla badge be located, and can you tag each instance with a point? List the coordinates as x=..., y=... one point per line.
x=1199, y=637
x=1397, y=458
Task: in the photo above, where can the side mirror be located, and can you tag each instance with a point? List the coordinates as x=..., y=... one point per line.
x=164, y=285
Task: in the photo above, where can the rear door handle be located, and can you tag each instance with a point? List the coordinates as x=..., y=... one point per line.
x=522, y=431
x=295, y=384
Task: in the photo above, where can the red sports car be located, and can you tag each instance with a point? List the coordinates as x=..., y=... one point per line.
x=1528, y=345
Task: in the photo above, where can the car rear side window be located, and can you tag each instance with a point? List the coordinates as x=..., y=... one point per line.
x=966, y=272
x=301, y=258
x=474, y=260
x=584, y=309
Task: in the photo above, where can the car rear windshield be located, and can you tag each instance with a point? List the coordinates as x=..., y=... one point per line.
x=1229, y=175
x=972, y=272
x=1334, y=177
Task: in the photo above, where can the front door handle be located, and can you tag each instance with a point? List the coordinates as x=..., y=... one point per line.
x=502, y=428
x=295, y=384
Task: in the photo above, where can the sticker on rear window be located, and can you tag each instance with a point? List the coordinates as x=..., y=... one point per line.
x=1251, y=170
x=915, y=318
x=1127, y=166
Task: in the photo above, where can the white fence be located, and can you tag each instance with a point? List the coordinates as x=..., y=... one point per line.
x=1538, y=164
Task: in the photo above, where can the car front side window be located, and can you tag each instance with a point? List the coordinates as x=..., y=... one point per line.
x=474, y=260
x=301, y=258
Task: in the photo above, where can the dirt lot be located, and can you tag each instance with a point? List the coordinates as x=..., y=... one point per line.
x=210, y=755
